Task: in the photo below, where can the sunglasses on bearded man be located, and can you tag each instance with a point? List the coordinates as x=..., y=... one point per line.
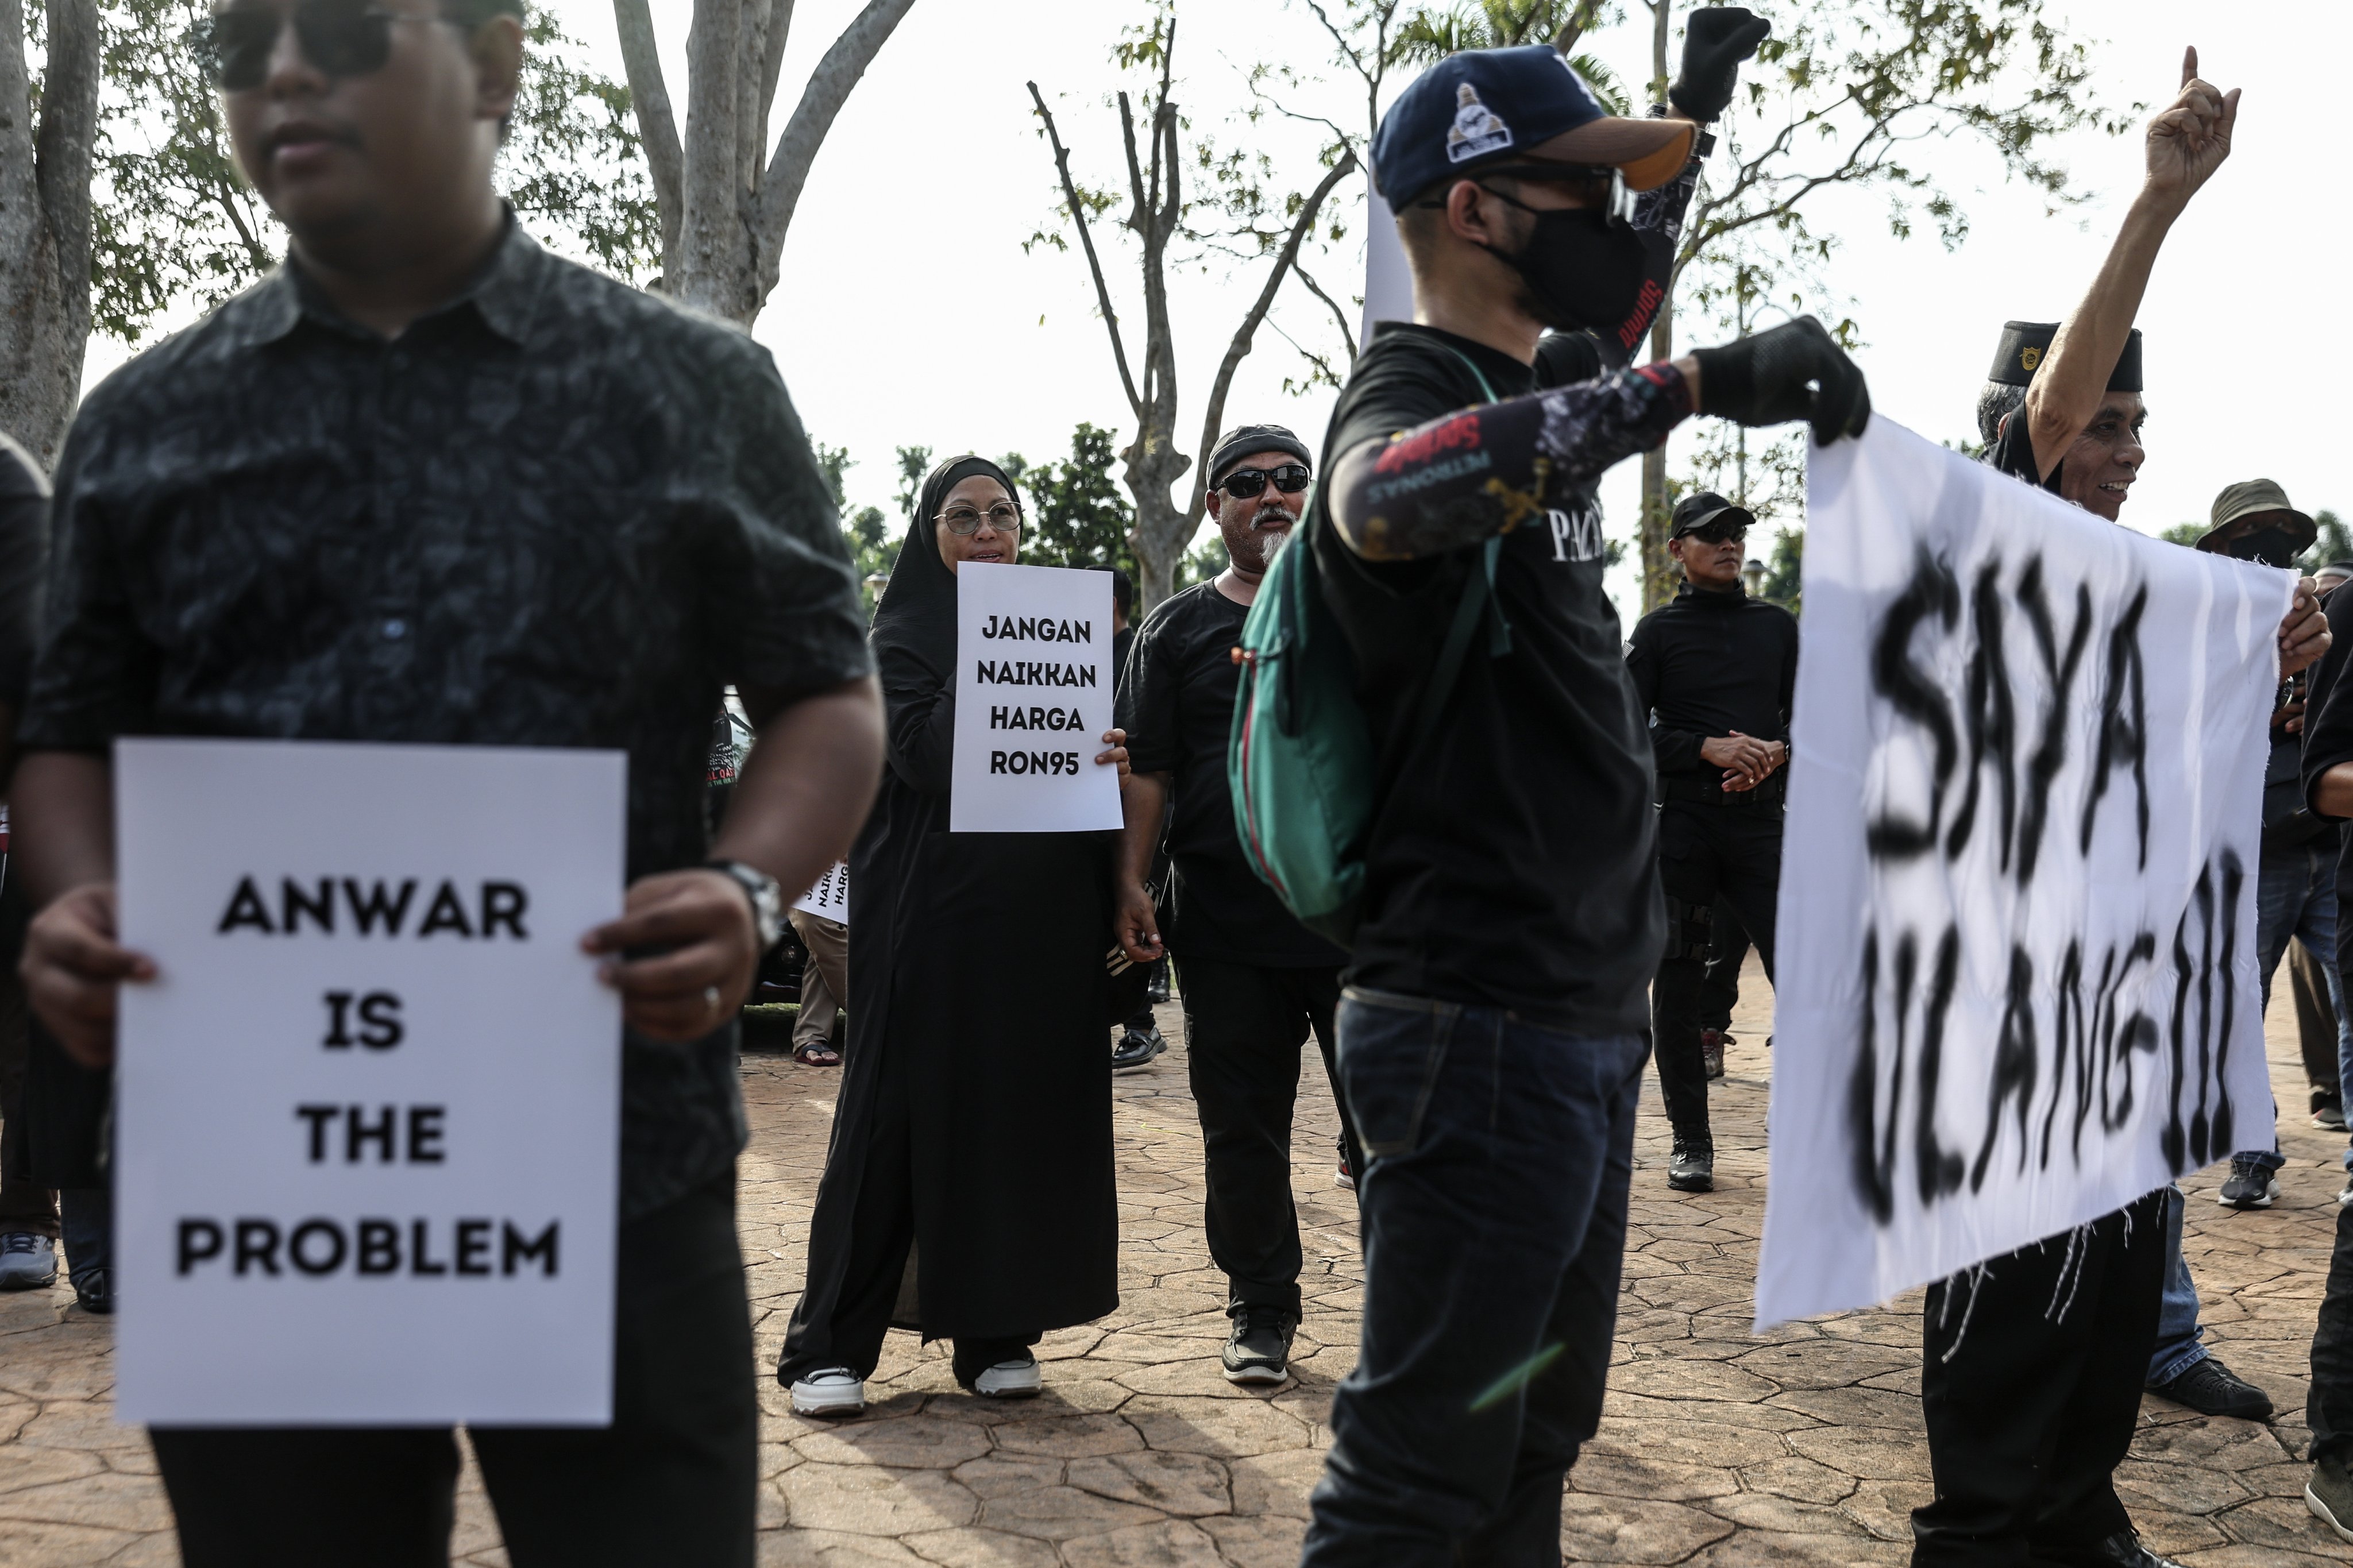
x=341, y=37
x=1243, y=483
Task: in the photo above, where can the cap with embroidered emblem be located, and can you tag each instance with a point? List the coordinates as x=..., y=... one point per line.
x=1527, y=104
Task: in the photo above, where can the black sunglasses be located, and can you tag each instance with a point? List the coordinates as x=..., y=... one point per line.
x=341, y=37
x=1244, y=483
x=1719, y=532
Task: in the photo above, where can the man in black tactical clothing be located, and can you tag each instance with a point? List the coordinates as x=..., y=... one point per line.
x=1716, y=670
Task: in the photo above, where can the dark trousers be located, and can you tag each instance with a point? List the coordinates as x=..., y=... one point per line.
x=1727, y=950
x=2328, y=1410
x=673, y=1479
x=1706, y=853
x=876, y=1278
x=25, y=1205
x=1244, y=1025
x=2030, y=1384
x=1495, y=1224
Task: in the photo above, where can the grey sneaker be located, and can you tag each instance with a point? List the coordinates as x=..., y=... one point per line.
x=1259, y=1350
x=2330, y=1495
x=2249, y=1186
x=1692, y=1167
x=1010, y=1380
x=27, y=1261
x=829, y=1391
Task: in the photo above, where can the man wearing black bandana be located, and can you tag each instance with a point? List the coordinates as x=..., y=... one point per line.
x=2029, y=1406
x=1492, y=1031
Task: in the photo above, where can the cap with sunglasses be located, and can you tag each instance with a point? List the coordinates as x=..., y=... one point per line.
x=1710, y=516
x=1249, y=441
x=1483, y=107
x=339, y=37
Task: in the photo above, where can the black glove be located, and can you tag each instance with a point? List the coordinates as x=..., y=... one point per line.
x=1797, y=370
x=1715, y=40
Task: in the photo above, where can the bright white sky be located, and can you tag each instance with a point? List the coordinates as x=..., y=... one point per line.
x=908, y=313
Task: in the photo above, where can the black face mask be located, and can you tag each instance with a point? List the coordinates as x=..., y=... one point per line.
x=2272, y=546
x=1581, y=270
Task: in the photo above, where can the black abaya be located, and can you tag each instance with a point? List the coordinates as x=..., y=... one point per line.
x=975, y=1119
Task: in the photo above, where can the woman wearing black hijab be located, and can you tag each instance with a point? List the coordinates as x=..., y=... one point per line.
x=975, y=1121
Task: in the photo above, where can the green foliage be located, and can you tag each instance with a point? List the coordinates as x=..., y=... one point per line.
x=2335, y=543
x=173, y=219
x=1426, y=36
x=2186, y=534
x=1075, y=514
x=866, y=531
x=1203, y=562
x=1785, y=568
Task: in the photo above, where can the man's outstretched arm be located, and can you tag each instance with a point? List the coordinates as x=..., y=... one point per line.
x=2186, y=145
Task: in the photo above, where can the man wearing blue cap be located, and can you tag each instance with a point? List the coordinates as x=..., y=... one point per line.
x=1491, y=1032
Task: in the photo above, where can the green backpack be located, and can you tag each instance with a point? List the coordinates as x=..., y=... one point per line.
x=1307, y=779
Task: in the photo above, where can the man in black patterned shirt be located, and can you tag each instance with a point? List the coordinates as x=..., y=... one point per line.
x=429, y=484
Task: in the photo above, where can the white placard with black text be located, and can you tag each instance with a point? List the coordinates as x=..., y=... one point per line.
x=829, y=900
x=2016, y=985
x=368, y=1112
x=1033, y=699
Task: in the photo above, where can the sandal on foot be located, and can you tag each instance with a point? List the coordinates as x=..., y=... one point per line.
x=814, y=1056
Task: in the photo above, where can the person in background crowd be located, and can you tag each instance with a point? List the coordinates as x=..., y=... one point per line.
x=1492, y=1030
x=2296, y=887
x=824, y=988
x=28, y=1211
x=968, y=1191
x=2327, y=784
x=1140, y=1039
x=2326, y=578
x=2029, y=1409
x=1716, y=671
x=427, y=483
x=2324, y=1032
x=1255, y=980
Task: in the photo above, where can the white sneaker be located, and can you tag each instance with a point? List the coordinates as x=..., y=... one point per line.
x=830, y=1390
x=1009, y=1380
x=28, y=1262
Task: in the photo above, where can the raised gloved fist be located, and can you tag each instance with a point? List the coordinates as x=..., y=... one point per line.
x=1797, y=370
x=1716, y=39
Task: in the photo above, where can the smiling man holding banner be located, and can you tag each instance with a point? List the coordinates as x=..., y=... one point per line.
x=428, y=484
x=2023, y=846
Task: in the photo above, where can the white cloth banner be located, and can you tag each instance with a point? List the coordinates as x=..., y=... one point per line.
x=369, y=1111
x=829, y=900
x=2017, y=967
x=1033, y=701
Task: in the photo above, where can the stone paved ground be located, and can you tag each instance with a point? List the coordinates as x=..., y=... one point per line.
x=1801, y=1448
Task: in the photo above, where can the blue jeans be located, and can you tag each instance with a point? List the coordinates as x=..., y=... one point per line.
x=2178, y=1328
x=2295, y=896
x=1494, y=1202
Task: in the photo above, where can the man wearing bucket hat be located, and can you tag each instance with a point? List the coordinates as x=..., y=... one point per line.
x=1492, y=1031
x=1716, y=671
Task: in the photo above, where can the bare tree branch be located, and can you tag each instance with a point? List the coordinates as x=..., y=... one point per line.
x=1213, y=413
x=1338, y=315
x=657, y=126
x=1087, y=242
x=780, y=31
x=45, y=237
x=828, y=89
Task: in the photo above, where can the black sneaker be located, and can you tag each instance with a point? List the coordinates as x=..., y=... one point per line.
x=2327, y=1111
x=2330, y=1495
x=1692, y=1167
x=2212, y=1389
x=2249, y=1186
x=1259, y=1350
x=1136, y=1048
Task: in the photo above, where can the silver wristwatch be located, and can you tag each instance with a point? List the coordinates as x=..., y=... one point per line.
x=767, y=898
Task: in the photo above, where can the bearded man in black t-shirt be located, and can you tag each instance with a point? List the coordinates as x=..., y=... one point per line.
x=1491, y=1032
x=1254, y=980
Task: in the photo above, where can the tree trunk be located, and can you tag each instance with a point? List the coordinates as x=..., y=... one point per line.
x=725, y=212
x=44, y=222
x=1658, y=567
